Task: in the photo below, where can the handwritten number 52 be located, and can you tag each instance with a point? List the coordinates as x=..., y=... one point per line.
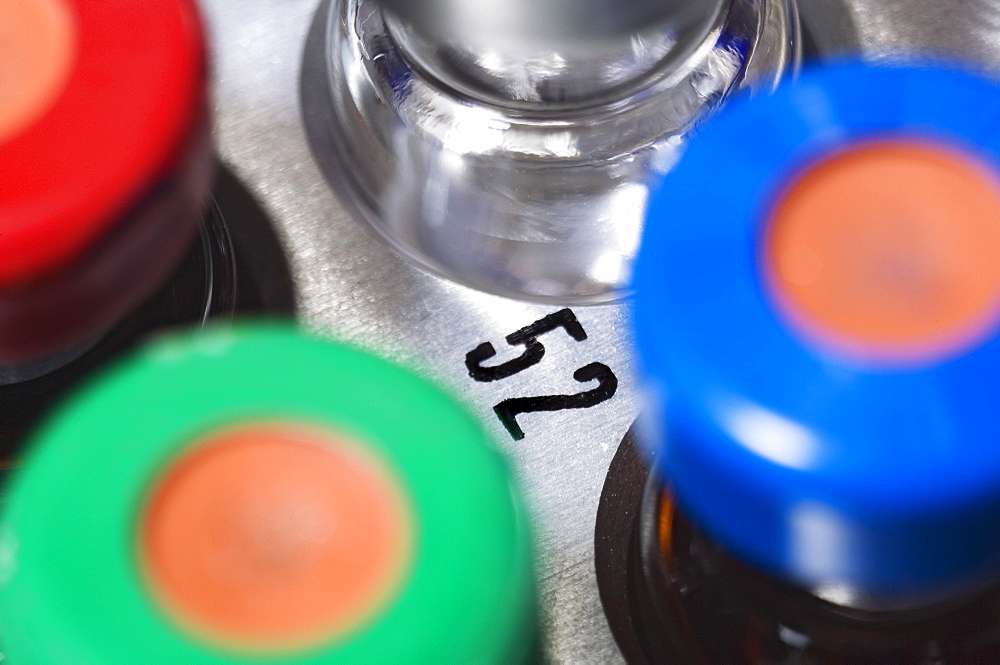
x=508, y=410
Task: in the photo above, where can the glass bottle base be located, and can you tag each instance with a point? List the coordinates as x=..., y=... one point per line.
x=542, y=202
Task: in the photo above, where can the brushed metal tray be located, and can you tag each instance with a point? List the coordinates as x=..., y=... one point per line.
x=348, y=285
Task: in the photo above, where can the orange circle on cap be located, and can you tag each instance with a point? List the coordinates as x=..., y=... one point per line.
x=890, y=249
x=275, y=537
x=37, y=50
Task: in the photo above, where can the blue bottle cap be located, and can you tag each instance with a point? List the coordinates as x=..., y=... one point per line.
x=818, y=298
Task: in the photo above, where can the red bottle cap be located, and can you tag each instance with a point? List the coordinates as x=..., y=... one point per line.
x=110, y=92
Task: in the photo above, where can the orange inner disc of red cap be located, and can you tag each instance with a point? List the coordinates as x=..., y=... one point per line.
x=37, y=50
x=275, y=537
x=891, y=249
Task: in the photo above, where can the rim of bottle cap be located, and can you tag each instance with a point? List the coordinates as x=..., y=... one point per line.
x=132, y=92
x=821, y=464
x=467, y=593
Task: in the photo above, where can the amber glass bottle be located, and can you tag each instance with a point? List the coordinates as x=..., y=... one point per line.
x=723, y=610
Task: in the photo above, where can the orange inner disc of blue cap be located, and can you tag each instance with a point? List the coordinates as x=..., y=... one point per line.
x=890, y=249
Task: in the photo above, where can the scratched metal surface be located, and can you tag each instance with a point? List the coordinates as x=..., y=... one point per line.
x=352, y=287
x=966, y=30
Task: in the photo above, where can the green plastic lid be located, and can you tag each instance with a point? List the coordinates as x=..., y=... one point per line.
x=256, y=495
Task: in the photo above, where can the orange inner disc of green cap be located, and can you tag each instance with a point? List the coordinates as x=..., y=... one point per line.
x=37, y=50
x=275, y=537
x=890, y=248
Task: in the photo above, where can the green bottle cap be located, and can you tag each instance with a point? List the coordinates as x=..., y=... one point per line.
x=256, y=495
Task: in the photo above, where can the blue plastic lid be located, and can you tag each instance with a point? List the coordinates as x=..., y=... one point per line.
x=833, y=460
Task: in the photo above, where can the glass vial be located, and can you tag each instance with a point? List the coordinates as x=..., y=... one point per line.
x=106, y=221
x=820, y=350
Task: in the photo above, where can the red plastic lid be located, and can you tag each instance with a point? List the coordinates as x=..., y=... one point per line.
x=118, y=89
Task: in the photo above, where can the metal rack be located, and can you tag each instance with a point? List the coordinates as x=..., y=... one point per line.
x=350, y=286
